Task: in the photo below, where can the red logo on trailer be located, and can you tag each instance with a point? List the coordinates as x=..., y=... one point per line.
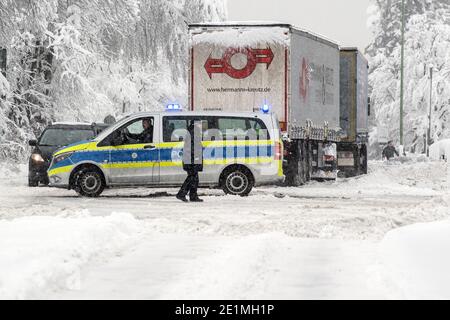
x=304, y=79
x=223, y=65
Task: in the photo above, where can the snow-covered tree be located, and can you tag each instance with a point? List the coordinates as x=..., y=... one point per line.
x=80, y=60
x=427, y=43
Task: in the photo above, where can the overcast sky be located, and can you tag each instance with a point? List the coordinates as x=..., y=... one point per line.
x=341, y=21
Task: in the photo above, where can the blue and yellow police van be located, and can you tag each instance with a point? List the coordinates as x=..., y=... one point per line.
x=240, y=150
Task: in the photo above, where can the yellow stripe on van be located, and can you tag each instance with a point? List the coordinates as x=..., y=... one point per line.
x=60, y=170
x=224, y=143
x=80, y=147
x=171, y=163
x=211, y=162
x=130, y=165
x=257, y=160
x=280, y=168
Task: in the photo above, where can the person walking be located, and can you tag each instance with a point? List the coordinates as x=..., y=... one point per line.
x=192, y=162
x=389, y=151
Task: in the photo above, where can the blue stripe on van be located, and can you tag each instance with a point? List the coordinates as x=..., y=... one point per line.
x=164, y=155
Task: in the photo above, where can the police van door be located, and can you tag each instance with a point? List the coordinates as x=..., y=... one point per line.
x=174, y=129
x=134, y=155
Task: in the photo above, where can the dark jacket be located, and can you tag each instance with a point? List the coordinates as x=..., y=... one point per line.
x=144, y=137
x=192, y=149
x=389, y=152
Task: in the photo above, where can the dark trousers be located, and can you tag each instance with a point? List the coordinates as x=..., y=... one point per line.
x=190, y=185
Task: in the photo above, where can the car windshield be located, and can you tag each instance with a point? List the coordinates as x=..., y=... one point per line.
x=64, y=137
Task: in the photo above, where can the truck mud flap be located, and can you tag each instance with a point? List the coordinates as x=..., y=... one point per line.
x=324, y=175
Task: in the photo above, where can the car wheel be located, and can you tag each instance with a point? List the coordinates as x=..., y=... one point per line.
x=237, y=182
x=89, y=183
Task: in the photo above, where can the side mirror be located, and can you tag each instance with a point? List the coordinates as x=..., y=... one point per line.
x=32, y=143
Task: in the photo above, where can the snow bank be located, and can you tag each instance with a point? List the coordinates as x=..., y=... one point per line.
x=47, y=253
x=12, y=174
x=12, y=170
x=416, y=259
x=242, y=37
x=440, y=150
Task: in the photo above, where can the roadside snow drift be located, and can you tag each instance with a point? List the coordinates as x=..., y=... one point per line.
x=38, y=253
x=417, y=260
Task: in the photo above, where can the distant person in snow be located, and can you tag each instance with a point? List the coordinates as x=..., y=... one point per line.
x=390, y=151
x=192, y=162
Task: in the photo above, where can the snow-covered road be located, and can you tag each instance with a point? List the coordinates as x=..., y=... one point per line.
x=270, y=266
x=318, y=241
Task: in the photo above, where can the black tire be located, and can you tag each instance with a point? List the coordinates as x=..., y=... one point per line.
x=238, y=182
x=309, y=160
x=33, y=183
x=293, y=174
x=297, y=171
x=363, y=160
x=89, y=182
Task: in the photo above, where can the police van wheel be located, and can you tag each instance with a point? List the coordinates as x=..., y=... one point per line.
x=237, y=182
x=89, y=183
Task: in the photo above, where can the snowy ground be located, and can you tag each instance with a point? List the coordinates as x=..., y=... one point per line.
x=334, y=240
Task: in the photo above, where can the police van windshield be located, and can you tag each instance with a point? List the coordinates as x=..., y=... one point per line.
x=62, y=137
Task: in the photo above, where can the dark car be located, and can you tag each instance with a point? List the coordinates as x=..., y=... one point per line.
x=53, y=138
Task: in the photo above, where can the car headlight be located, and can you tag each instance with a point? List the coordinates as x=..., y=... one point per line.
x=62, y=157
x=36, y=157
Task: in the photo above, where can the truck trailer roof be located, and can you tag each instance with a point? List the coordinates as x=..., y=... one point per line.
x=265, y=24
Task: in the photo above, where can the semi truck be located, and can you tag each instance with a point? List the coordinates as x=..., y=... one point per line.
x=354, y=113
x=317, y=90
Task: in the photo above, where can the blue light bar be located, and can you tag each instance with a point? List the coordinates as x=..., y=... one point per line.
x=265, y=108
x=173, y=107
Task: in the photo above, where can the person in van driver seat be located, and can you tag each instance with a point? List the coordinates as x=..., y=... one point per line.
x=146, y=136
x=192, y=162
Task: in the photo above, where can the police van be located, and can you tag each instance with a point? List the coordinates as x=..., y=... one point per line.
x=240, y=150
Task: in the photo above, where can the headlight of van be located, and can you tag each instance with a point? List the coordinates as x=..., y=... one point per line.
x=62, y=157
x=37, y=158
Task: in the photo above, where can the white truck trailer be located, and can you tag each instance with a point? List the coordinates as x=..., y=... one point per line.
x=294, y=73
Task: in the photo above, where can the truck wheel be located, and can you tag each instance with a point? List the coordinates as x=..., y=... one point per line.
x=89, y=183
x=238, y=182
x=303, y=168
x=294, y=174
x=297, y=169
x=301, y=173
x=308, y=160
x=363, y=160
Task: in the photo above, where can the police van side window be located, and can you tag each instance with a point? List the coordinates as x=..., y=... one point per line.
x=174, y=129
x=243, y=128
x=139, y=131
